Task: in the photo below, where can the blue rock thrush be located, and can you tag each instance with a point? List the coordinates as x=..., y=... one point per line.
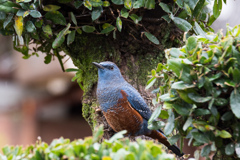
x=123, y=107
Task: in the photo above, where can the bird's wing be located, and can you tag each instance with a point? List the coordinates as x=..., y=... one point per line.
x=137, y=102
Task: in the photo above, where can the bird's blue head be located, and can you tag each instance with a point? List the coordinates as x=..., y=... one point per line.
x=108, y=71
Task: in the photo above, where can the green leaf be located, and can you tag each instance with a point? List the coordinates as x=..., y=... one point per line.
x=96, y=13
x=7, y=9
x=180, y=85
x=118, y=2
x=106, y=4
x=8, y=20
x=19, y=25
x=124, y=13
x=236, y=75
x=60, y=37
x=167, y=97
x=165, y=7
x=197, y=98
x=56, y=17
x=170, y=124
x=108, y=29
x=77, y=3
x=35, y=14
x=30, y=27
x=51, y=8
x=172, y=140
x=47, y=31
x=182, y=110
x=198, y=9
x=73, y=18
x=181, y=23
x=152, y=38
x=88, y=29
x=200, y=137
x=201, y=112
x=180, y=69
x=166, y=18
x=198, y=30
x=230, y=148
x=150, y=4
x=98, y=133
x=72, y=70
x=135, y=18
x=48, y=58
x=119, y=24
x=191, y=44
x=163, y=115
x=225, y=134
x=117, y=136
x=237, y=149
x=206, y=150
x=2, y=15
x=128, y=4
x=227, y=116
x=217, y=8
x=96, y=3
x=235, y=102
x=71, y=37
x=138, y=4
x=187, y=123
x=155, y=114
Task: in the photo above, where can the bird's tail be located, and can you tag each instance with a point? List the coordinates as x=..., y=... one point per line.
x=176, y=150
x=159, y=135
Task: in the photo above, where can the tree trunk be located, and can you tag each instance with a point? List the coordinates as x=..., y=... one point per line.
x=134, y=56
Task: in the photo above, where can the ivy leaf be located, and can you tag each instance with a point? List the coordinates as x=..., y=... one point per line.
x=152, y=38
x=56, y=17
x=235, y=102
x=217, y=8
x=119, y=24
x=96, y=13
x=71, y=37
x=35, y=14
x=51, y=8
x=18, y=25
x=88, y=29
x=60, y=37
x=181, y=23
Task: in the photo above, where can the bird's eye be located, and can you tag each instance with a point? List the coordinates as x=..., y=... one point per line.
x=111, y=67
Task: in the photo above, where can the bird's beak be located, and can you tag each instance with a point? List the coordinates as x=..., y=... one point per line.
x=98, y=65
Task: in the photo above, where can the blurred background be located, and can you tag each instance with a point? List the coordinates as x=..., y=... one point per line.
x=40, y=100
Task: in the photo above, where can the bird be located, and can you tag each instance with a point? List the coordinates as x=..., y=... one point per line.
x=123, y=106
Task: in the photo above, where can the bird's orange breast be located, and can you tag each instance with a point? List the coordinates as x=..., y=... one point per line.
x=123, y=117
